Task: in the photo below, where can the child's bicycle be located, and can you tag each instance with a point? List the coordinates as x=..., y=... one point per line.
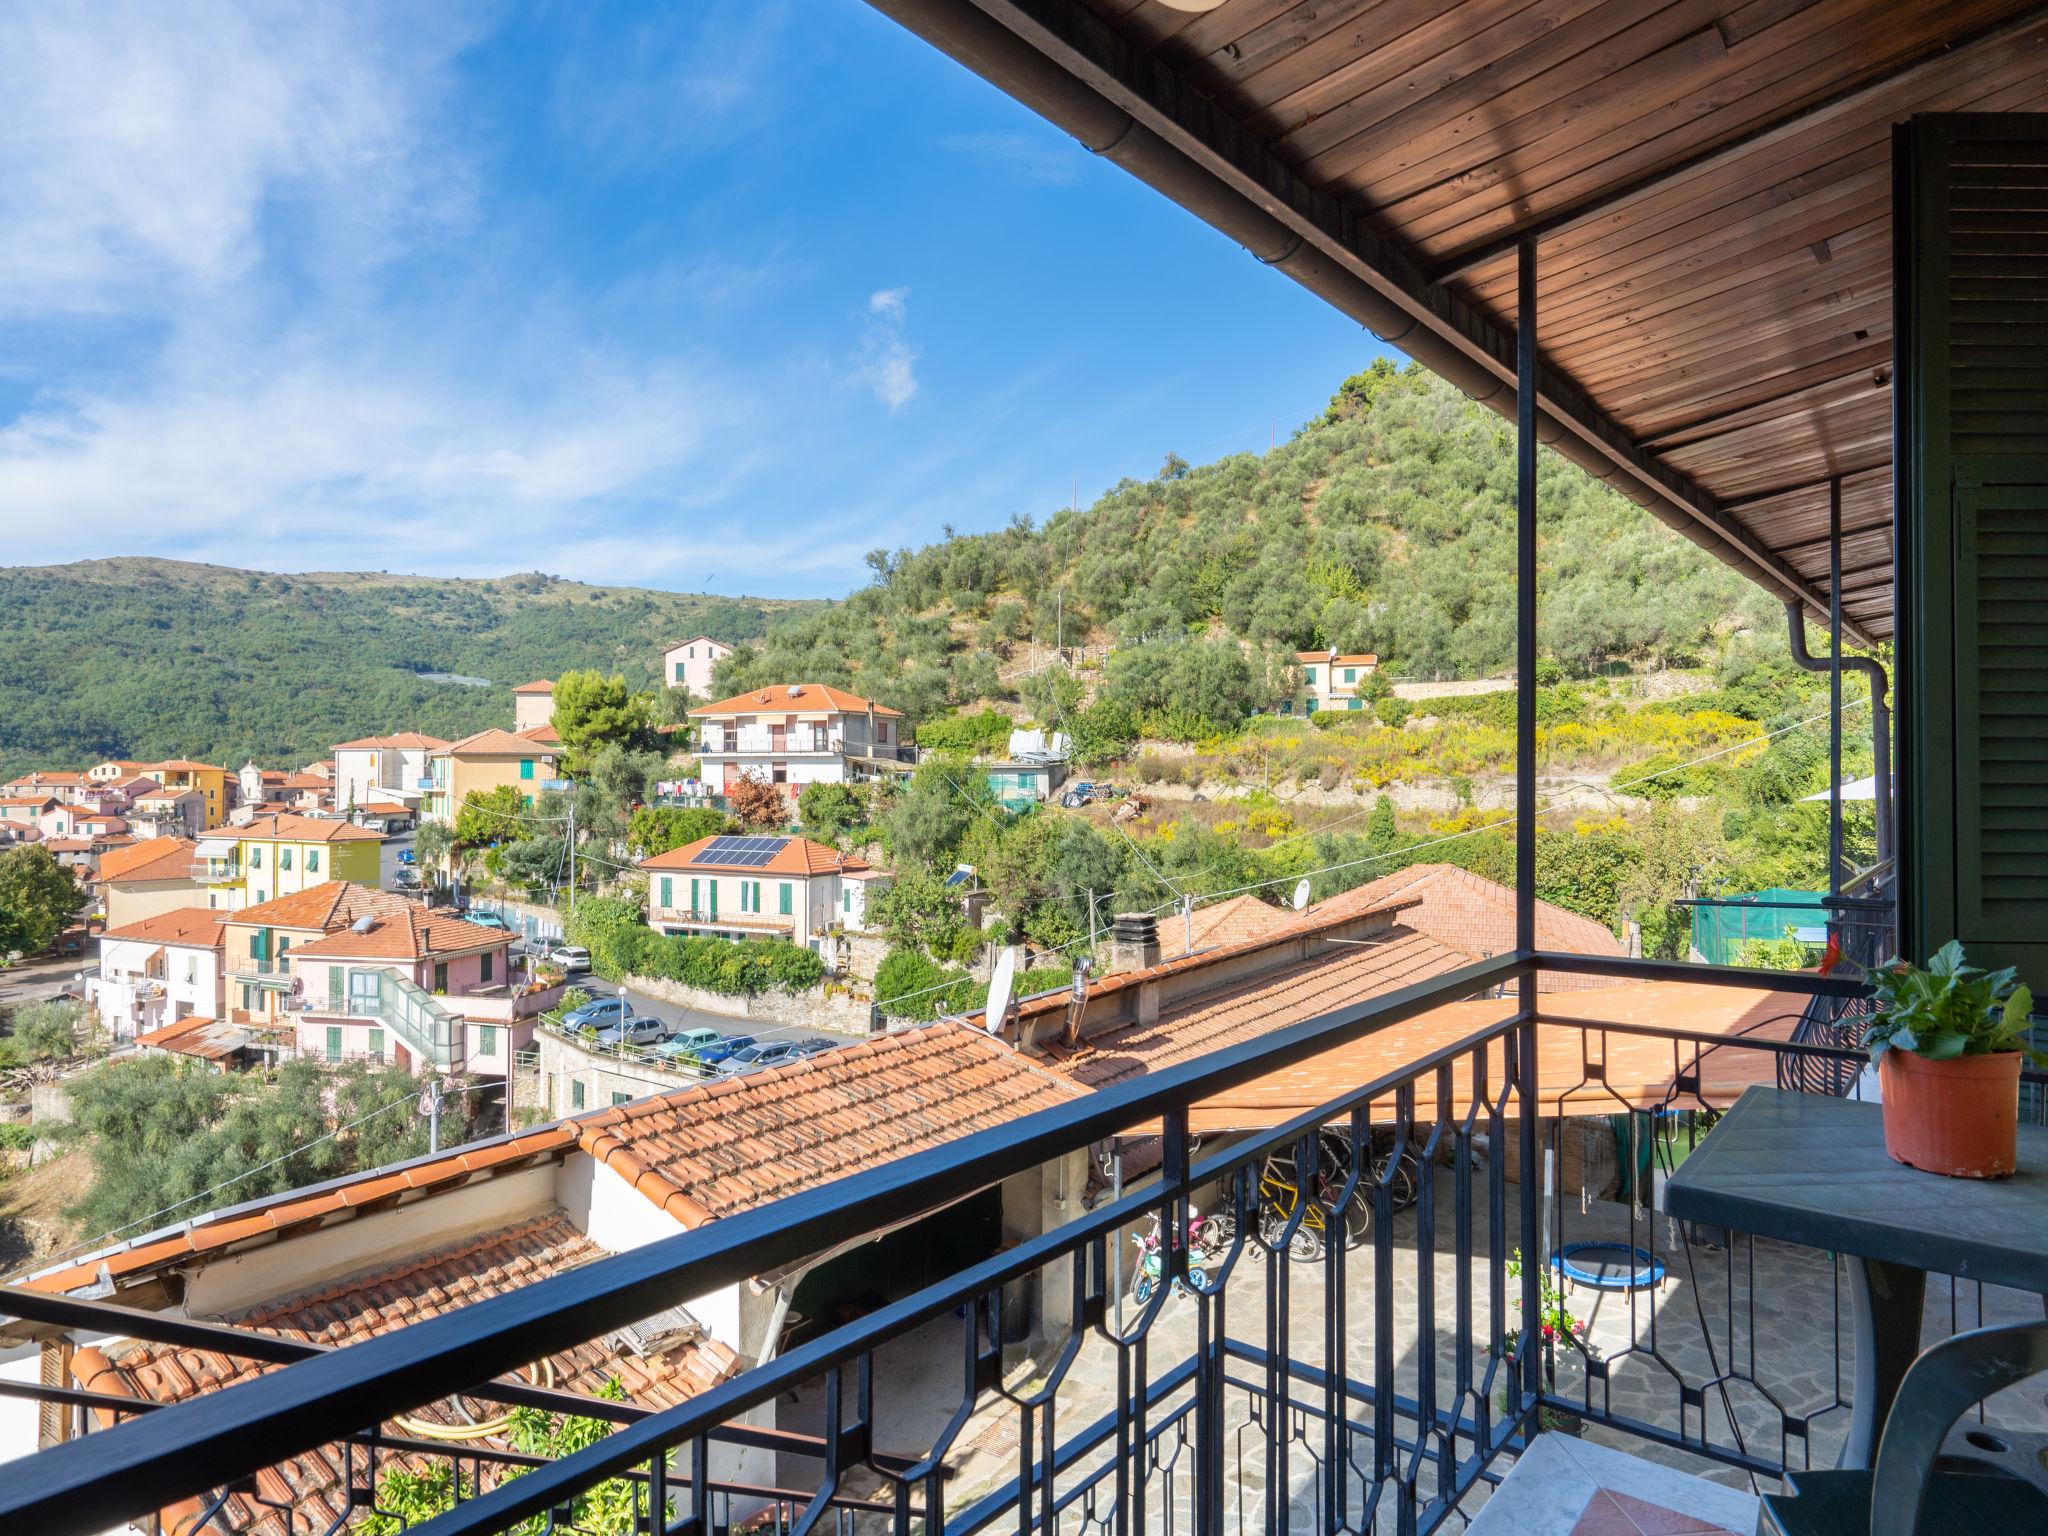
x=1152, y=1264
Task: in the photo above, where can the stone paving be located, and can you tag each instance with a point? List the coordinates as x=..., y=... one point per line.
x=1782, y=1354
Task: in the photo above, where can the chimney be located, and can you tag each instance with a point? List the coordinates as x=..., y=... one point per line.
x=1077, y=1004
x=1133, y=942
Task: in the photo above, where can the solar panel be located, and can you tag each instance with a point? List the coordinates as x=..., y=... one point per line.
x=740, y=852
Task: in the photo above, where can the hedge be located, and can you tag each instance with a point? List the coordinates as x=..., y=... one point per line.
x=621, y=945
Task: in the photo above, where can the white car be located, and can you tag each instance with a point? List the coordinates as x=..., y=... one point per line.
x=571, y=957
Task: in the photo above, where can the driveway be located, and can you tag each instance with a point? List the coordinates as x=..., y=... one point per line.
x=38, y=980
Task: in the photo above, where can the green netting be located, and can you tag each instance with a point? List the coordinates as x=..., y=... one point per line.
x=1722, y=925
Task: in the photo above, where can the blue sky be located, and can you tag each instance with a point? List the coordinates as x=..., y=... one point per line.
x=699, y=295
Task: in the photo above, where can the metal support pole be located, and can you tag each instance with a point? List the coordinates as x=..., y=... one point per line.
x=1835, y=686
x=1533, y=1257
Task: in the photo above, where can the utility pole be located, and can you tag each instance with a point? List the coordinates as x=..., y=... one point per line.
x=1091, y=921
x=430, y=1102
x=572, y=855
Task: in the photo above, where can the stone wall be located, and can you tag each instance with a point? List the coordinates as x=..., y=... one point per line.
x=841, y=1011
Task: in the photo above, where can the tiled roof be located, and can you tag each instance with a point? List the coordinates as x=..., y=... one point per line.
x=161, y=858
x=538, y=685
x=1258, y=1005
x=330, y=904
x=311, y=1489
x=1475, y=914
x=489, y=743
x=199, y=926
x=48, y=776
x=163, y=792
x=39, y=801
x=184, y=765
x=301, y=829
x=808, y=697
x=412, y=740
x=544, y=733
x=797, y=856
x=1358, y=659
x=411, y=934
x=693, y=640
x=1227, y=922
x=726, y=1146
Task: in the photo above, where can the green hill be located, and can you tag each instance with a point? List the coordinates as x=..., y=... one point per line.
x=1384, y=525
x=155, y=658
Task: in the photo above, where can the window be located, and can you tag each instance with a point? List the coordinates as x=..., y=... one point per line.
x=526, y=767
x=668, y=894
x=487, y=1040
x=693, y=895
x=846, y=899
x=312, y=860
x=1287, y=706
x=679, y=671
x=788, y=896
x=621, y=1098
x=779, y=773
x=334, y=1042
x=1308, y=675
x=489, y=956
x=1311, y=706
x=284, y=942
x=284, y=858
x=377, y=1045
x=248, y=997
x=575, y=1095
x=334, y=986
x=1351, y=674
x=441, y=976
x=1354, y=704
x=713, y=893
x=256, y=857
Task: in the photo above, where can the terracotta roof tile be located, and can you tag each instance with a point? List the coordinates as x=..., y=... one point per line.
x=413, y=933
x=404, y=739
x=490, y=743
x=1477, y=915
x=797, y=856
x=538, y=685
x=161, y=858
x=330, y=904
x=285, y=828
x=196, y=926
x=313, y=1487
x=810, y=698
x=1227, y=922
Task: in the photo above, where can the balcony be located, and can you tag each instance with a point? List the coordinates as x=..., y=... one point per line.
x=1355, y=1341
x=274, y=973
x=736, y=922
x=753, y=742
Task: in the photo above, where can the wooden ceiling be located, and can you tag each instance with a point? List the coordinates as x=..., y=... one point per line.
x=1708, y=182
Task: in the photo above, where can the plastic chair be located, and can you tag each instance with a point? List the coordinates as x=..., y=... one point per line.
x=1916, y=1488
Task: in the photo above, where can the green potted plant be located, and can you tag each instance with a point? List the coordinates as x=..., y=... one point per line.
x=1948, y=1040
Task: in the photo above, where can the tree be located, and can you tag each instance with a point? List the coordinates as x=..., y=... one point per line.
x=920, y=914
x=1381, y=829
x=658, y=828
x=38, y=897
x=826, y=811
x=933, y=811
x=1052, y=694
x=593, y=711
x=756, y=803
x=432, y=844
x=488, y=816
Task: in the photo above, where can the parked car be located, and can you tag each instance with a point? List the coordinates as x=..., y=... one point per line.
x=815, y=1046
x=633, y=1029
x=683, y=1048
x=485, y=919
x=571, y=958
x=596, y=1014
x=722, y=1049
x=759, y=1056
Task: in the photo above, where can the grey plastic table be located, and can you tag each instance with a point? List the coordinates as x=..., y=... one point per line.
x=1810, y=1169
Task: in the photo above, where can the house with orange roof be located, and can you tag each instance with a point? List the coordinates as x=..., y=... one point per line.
x=149, y=877
x=211, y=782
x=22, y=813
x=160, y=969
x=533, y=704
x=115, y=769
x=689, y=663
x=386, y=769
x=758, y=887
x=798, y=734
x=1330, y=679
x=167, y=812
x=278, y=853
x=336, y=1263
x=482, y=762
x=61, y=784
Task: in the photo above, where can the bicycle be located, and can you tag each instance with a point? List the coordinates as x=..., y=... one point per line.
x=1279, y=1192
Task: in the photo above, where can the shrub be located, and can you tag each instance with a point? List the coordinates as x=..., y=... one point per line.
x=736, y=970
x=17, y=1137
x=987, y=732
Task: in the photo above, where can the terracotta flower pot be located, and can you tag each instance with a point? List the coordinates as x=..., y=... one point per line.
x=1958, y=1117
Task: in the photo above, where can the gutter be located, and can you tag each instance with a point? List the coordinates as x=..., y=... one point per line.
x=1880, y=718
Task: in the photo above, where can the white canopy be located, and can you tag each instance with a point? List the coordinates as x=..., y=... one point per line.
x=1855, y=789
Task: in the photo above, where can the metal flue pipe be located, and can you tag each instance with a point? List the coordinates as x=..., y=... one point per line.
x=1880, y=715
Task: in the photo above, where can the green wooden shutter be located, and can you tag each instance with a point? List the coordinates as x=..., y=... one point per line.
x=668, y=891
x=1971, y=320
x=334, y=998
x=788, y=897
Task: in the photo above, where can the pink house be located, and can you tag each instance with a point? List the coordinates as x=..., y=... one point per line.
x=425, y=989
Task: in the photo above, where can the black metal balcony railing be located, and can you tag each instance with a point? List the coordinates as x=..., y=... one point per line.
x=1350, y=1349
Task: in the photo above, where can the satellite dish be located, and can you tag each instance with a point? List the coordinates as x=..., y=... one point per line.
x=999, y=990
x=1301, y=893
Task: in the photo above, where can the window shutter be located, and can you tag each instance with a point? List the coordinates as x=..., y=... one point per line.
x=1971, y=388
x=787, y=899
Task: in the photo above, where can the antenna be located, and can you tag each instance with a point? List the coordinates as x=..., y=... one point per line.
x=999, y=991
x=1301, y=893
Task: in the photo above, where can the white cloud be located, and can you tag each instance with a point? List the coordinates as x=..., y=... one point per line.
x=146, y=147
x=888, y=362
x=1036, y=157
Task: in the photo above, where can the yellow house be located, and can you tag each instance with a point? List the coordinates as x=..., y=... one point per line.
x=486, y=761
x=282, y=855
x=182, y=773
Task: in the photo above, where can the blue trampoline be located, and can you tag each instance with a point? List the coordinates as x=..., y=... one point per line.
x=1607, y=1266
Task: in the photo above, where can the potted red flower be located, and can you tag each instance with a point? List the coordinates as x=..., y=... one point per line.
x=1948, y=1040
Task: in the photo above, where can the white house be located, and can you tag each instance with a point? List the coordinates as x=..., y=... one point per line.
x=797, y=734
x=741, y=887
x=382, y=769
x=533, y=704
x=689, y=664
x=161, y=969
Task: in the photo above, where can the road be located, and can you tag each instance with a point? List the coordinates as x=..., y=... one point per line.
x=35, y=981
x=679, y=1018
